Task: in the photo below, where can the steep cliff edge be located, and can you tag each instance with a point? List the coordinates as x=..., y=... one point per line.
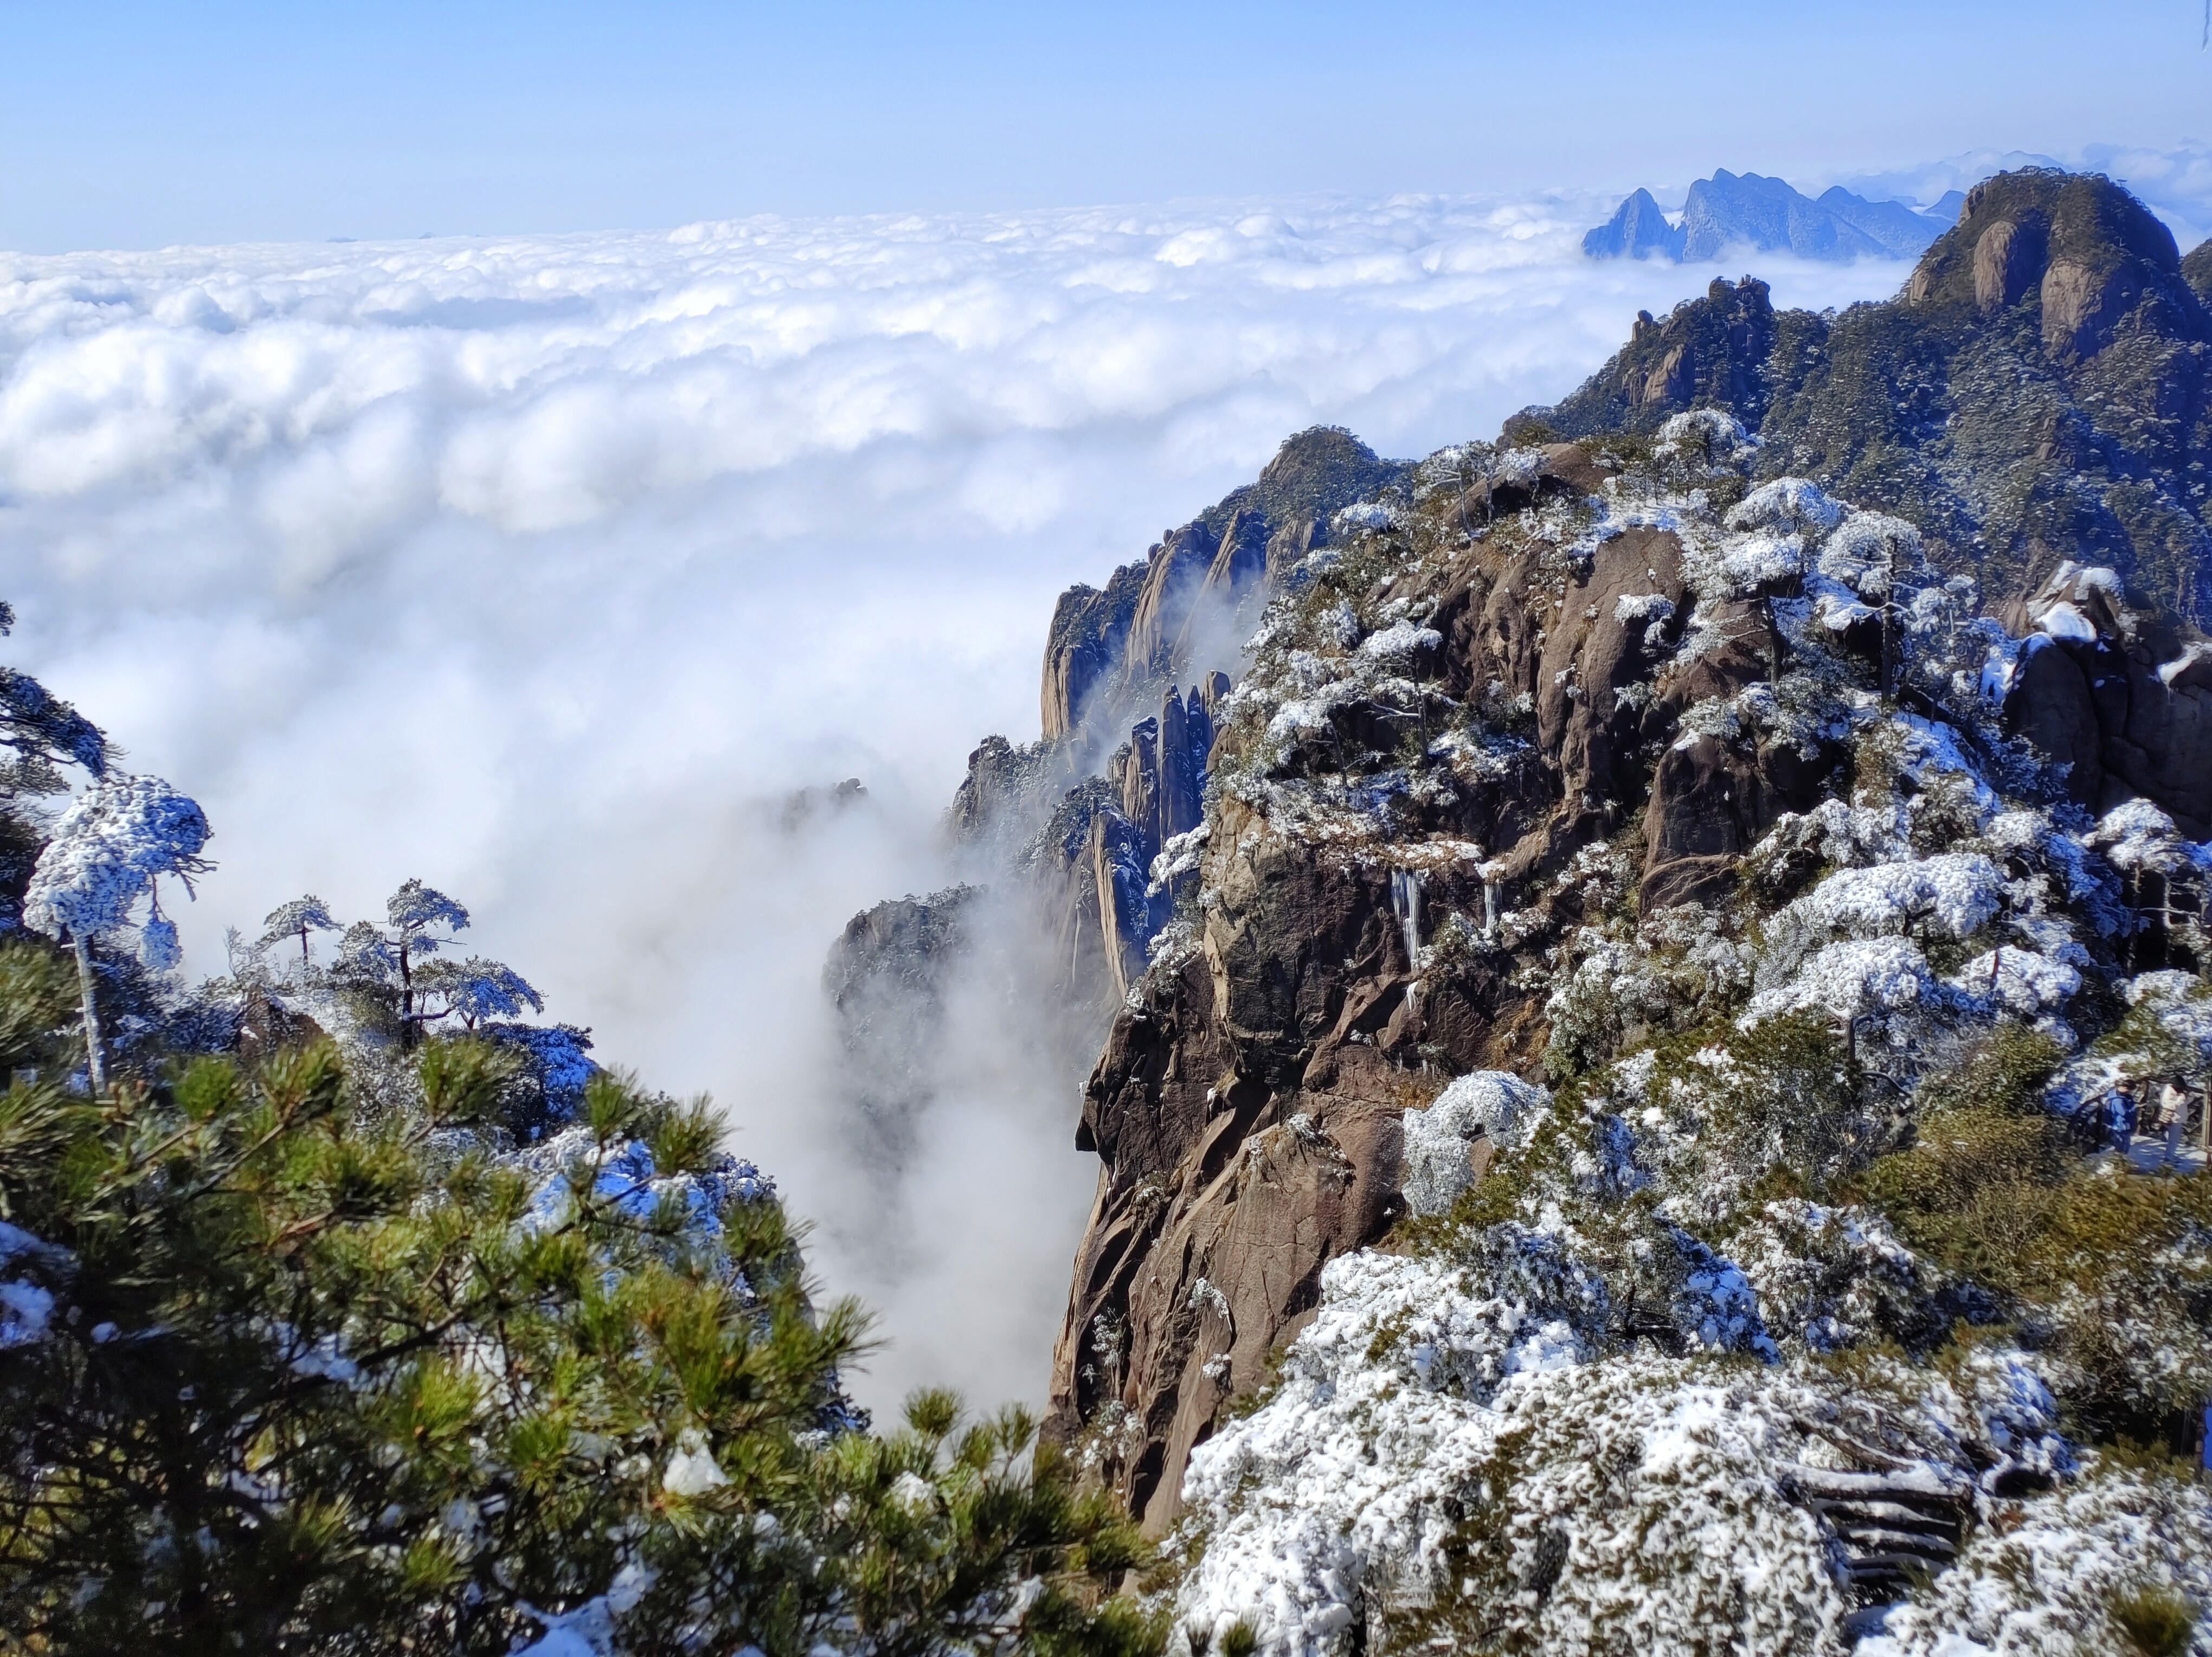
x=1537, y=1059
x=1445, y=729
x=1435, y=726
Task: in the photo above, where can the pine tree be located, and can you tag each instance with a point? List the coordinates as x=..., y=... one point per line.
x=301, y=916
x=41, y=731
x=110, y=848
x=287, y=1371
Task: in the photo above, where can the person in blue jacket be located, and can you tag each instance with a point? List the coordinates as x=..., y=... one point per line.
x=2119, y=1116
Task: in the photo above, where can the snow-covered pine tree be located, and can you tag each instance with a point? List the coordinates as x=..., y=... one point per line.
x=282, y=1373
x=41, y=731
x=419, y=921
x=472, y=990
x=109, y=848
x=298, y=917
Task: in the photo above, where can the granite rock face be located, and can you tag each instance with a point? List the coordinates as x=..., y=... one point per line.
x=1305, y=885
x=1247, y=1108
x=1185, y=609
x=885, y=980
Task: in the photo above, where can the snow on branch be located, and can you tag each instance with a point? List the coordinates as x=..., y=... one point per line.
x=109, y=848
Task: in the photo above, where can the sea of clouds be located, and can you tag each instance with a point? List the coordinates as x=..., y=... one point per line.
x=548, y=569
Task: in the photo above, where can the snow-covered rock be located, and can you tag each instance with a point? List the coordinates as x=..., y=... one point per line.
x=1493, y=1105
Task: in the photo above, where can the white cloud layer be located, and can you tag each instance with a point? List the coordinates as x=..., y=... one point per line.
x=543, y=568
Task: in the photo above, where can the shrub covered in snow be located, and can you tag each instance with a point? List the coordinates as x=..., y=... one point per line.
x=1489, y=1105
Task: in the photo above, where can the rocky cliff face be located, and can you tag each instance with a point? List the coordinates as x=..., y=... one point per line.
x=1060, y=838
x=1471, y=723
x=1426, y=747
x=1712, y=817
x=1186, y=610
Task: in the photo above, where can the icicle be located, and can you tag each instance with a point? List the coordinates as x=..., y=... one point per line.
x=1405, y=904
x=1489, y=873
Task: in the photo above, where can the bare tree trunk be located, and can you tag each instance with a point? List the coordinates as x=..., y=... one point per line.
x=407, y=1031
x=95, y=1067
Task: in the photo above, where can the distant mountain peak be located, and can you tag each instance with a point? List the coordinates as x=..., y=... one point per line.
x=1738, y=209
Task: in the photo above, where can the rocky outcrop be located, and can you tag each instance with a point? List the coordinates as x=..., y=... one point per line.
x=1517, y=729
x=1248, y=1107
x=1175, y=574
x=1084, y=647
x=2007, y=258
x=2196, y=272
x=1711, y=353
x=2108, y=691
x=885, y=981
x=1187, y=609
x=2041, y=391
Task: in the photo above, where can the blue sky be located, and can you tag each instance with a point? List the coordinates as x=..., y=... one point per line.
x=133, y=124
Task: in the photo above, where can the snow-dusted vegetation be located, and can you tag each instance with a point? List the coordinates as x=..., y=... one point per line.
x=1806, y=1305
x=346, y=1308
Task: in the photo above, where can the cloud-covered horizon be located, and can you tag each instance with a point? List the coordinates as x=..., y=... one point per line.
x=545, y=568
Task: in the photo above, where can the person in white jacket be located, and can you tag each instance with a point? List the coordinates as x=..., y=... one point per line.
x=2173, y=1113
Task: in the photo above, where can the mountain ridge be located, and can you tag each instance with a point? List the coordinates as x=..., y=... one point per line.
x=1766, y=214
x=1747, y=685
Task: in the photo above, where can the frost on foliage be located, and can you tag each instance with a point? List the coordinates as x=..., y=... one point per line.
x=159, y=952
x=476, y=988
x=1847, y=980
x=1443, y=1452
x=692, y=1470
x=1364, y=514
x=25, y=1311
x=26, y=1306
x=107, y=851
x=416, y=909
x=1786, y=504
x=1715, y=1306
x=592, y=1629
x=553, y=1056
x=297, y=919
x=2137, y=838
x=1703, y=437
x=1617, y=988
x=2181, y=1006
x=1869, y=552
x=2060, y=1574
x=1869, y=912
x=1178, y=857
x=2169, y=1028
x=1828, y=1277
x=2018, y=981
x=1492, y=1104
x=624, y=1176
x=1952, y=894
x=1401, y=642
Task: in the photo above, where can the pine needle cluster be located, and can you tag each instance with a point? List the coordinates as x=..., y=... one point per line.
x=295, y=1371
